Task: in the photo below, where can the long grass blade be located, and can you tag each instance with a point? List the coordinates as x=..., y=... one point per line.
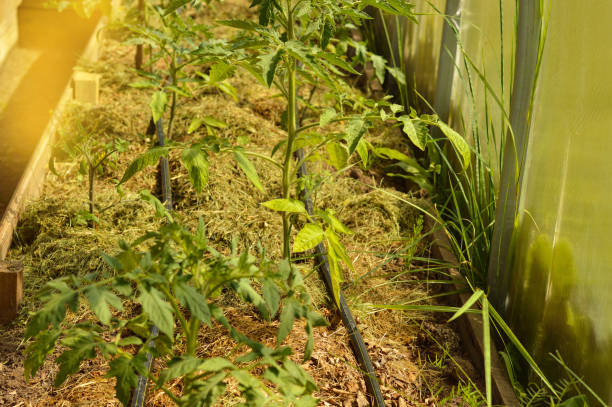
x=468, y=304
x=486, y=339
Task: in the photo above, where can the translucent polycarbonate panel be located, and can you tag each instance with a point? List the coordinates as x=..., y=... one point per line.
x=561, y=282
x=422, y=49
x=414, y=47
x=483, y=78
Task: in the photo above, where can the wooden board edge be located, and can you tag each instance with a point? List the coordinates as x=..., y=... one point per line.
x=470, y=325
x=30, y=183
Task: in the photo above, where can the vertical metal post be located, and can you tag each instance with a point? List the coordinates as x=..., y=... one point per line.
x=527, y=53
x=448, y=53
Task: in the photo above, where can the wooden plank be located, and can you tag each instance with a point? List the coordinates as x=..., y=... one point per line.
x=11, y=290
x=32, y=179
x=86, y=87
x=8, y=26
x=470, y=325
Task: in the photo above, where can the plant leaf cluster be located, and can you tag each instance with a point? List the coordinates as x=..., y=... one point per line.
x=175, y=282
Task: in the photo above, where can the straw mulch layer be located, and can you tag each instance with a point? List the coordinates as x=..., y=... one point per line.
x=410, y=351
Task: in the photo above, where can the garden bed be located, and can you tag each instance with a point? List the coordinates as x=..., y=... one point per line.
x=417, y=356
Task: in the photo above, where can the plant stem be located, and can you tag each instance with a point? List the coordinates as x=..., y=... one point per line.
x=91, y=174
x=173, y=102
x=291, y=132
x=138, y=57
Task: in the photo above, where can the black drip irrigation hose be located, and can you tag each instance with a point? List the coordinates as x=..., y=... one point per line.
x=357, y=344
x=140, y=391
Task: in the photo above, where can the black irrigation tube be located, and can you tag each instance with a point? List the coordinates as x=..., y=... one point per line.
x=140, y=392
x=357, y=344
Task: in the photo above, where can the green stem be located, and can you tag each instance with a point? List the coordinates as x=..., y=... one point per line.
x=291, y=132
x=169, y=393
x=173, y=103
x=257, y=155
x=92, y=171
x=338, y=119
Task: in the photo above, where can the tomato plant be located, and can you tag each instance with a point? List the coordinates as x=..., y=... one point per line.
x=173, y=283
x=85, y=145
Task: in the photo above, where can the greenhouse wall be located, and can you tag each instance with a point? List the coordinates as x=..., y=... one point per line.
x=415, y=48
x=556, y=262
x=561, y=273
x=480, y=97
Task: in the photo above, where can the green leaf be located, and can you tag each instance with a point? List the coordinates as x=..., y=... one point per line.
x=99, y=300
x=240, y=24
x=158, y=310
x=391, y=154
x=54, y=310
x=175, y=5
x=268, y=64
x=124, y=370
x=328, y=31
x=143, y=84
x=216, y=364
x=309, y=342
x=228, y=90
x=398, y=75
x=196, y=162
x=337, y=253
x=329, y=216
x=266, y=12
x=363, y=151
x=338, y=155
x=220, y=72
x=271, y=296
x=327, y=116
x=212, y=122
x=417, y=139
x=195, y=124
x=180, y=366
x=335, y=60
x=183, y=365
x=36, y=352
x=159, y=100
x=194, y=301
x=147, y=159
x=112, y=261
x=286, y=321
x=130, y=341
x=355, y=130
x=486, y=339
x=246, y=291
x=340, y=251
x=307, y=238
x=458, y=142
x=395, y=108
x=576, y=401
x=208, y=121
x=335, y=273
x=468, y=304
x=379, y=64
x=160, y=209
x=395, y=7
x=81, y=346
x=285, y=205
x=249, y=169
